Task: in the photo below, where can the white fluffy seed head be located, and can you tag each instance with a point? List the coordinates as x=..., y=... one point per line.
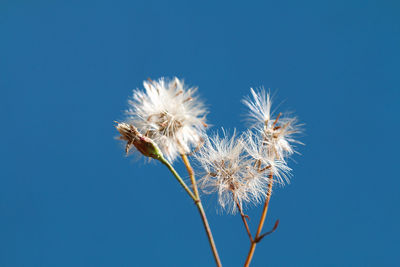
x=169, y=113
x=277, y=133
x=265, y=161
x=229, y=172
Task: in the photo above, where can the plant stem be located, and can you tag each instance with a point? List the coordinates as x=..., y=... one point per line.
x=191, y=175
x=201, y=210
x=177, y=177
x=244, y=221
x=261, y=224
x=209, y=234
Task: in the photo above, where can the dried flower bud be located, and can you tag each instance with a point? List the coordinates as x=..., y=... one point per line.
x=143, y=144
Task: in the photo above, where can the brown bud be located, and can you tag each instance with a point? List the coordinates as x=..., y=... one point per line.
x=143, y=144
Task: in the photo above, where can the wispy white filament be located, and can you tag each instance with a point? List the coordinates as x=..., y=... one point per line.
x=259, y=106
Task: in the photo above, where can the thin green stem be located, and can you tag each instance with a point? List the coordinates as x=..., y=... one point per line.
x=177, y=177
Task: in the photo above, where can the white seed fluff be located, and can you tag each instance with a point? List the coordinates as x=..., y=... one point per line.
x=229, y=172
x=266, y=163
x=259, y=105
x=277, y=134
x=169, y=113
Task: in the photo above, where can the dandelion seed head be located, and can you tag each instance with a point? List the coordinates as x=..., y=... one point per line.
x=258, y=149
x=228, y=172
x=169, y=113
x=277, y=132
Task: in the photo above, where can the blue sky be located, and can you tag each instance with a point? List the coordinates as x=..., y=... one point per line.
x=69, y=197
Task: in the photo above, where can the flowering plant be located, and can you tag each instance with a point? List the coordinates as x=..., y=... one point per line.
x=167, y=121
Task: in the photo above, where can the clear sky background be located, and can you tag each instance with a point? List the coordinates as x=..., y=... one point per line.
x=69, y=197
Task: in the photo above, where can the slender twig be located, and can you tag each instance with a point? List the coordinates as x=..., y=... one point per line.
x=258, y=236
x=244, y=219
x=261, y=224
x=201, y=210
x=191, y=175
x=276, y=120
x=209, y=234
x=177, y=177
